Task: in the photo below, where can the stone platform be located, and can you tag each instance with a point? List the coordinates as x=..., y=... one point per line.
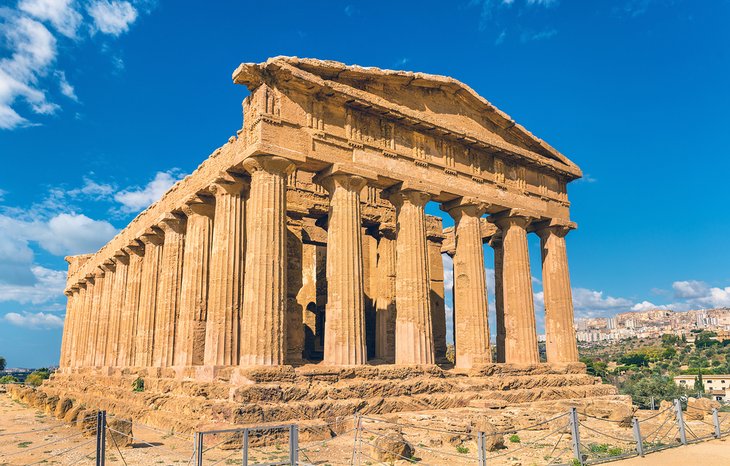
x=314, y=394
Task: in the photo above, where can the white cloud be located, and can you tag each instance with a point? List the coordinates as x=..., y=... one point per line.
x=65, y=87
x=75, y=234
x=37, y=320
x=92, y=188
x=31, y=50
x=690, y=289
x=540, y=35
x=2, y=194
x=591, y=300
x=112, y=17
x=60, y=13
x=545, y=3
x=49, y=284
x=137, y=198
x=649, y=306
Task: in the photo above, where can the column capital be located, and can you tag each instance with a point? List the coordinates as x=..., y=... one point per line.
x=554, y=226
x=151, y=236
x=350, y=178
x=99, y=272
x=269, y=163
x=386, y=230
x=68, y=292
x=495, y=241
x=108, y=265
x=136, y=247
x=398, y=197
x=197, y=205
x=225, y=183
x=470, y=206
x=121, y=257
x=511, y=217
x=171, y=223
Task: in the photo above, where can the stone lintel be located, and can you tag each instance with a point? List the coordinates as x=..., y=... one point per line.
x=560, y=225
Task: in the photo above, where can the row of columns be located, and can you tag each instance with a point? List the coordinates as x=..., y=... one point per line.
x=209, y=288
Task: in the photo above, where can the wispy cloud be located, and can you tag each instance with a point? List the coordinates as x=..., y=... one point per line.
x=136, y=198
x=30, y=35
x=34, y=320
x=528, y=36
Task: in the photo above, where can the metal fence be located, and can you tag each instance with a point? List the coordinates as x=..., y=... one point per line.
x=566, y=438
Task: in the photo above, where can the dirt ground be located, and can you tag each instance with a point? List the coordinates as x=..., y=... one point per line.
x=27, y=436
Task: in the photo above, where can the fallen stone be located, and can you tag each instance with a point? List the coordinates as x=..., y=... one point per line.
x=391, y=447
x=119, y=432
x=493, y=440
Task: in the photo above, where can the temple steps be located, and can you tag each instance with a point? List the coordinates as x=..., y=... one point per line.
x=256, y=396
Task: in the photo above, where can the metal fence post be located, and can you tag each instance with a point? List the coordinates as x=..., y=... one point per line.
x=294, y=444
x=100, y=437
x=244, y=447
x=482, y=448
x=680, y=421
x=637, y=436
x=575, y=434
x=199, y=449
x=716, y=422
x=357, y=422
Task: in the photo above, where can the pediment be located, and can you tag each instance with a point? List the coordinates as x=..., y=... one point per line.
x=437, y=101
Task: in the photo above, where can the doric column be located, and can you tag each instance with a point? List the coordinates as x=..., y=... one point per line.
x=226, y=274
x=344, y=334
x=413, y=326
x=438, y=304
x=190, y=340
x=496, y=244
x=121, y=262
x=94, y=318
x=130, y=310
x=385, y=306
x=102, y=330
x=152, y=240
x=470, y=285
x=83, y=343
x=78, y=322
x=263, y=332
x=168, y=291
x=71, y=299
x=560, y=343
x=519, y=309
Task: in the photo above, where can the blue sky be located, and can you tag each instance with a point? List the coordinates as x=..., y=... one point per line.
x=104, y=104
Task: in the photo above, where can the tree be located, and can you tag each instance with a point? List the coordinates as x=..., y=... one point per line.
x=699, y=386
x=2, y=363
x=37, y=377
x=8, y=379
x=634, y=359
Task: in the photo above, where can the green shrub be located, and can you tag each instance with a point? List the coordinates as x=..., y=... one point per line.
x=138, y=385
x=514, y=438
x=8, y=379
x=462, y=449
x=37, y=377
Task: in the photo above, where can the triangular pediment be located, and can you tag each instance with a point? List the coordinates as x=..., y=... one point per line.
x=439, y=101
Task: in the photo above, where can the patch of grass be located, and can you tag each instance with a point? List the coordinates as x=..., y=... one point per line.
x=462, y=449
x=24, y=444
x=514, y=438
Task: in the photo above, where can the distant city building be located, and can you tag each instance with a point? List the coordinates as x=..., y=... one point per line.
x=653, y=324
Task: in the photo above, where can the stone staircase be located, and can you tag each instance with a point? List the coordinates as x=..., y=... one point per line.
x=317, y=394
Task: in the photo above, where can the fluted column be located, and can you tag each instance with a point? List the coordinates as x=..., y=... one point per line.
x=77, y=321
x=263, y=319
x=130, y=309
x=94, y=318
x=71, y=298
x=560, y=342
x=385, y=306
x=83, y=343
x=226, y=274
x=144, y=345
x=121, y=262
x=413, y=326
x=168, y=291
x=496, y=244
x=519, y=309
x=190, y=340
x=344, y=334
x=102, y=331
x=470, y=285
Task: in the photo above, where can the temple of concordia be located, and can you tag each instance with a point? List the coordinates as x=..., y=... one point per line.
x=296, y=275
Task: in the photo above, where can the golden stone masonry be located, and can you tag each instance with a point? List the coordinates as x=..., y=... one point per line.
x=299, y=254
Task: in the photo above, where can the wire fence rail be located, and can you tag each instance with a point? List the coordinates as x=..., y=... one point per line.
x=569, y=438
